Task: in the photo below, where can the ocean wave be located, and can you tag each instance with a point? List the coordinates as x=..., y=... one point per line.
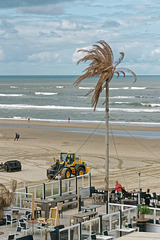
x=136, y=110
x=86, y=88
x=46, y=107
x=13, y=87
x=98, y=109
x=59, y=86
x=122, y=103
x=128, y=88
x=46, y=93
x=122, y=97
x=10, y=95
x=136, y=104
x=151, y=104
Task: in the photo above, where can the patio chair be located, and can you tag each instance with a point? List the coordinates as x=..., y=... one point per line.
x=105, y=232
x=24, y=227
x=11, y=237
x=21, y=220
x=28, y=215
x=18, y=231
x=93, y=236
x=59, y=207
x=39, y=228
x=85, y=236
x=64, y=235
x=10, y=219
x=59, y=227
x=71, y=220
x=54, y=234
x=37, y=210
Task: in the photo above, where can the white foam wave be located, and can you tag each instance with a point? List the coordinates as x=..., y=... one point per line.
x=136, y=110
x=122, y=102
x=59, y=86
x=86, y=88
x=138, y=88
x=10, y=95
x=128, y=88
x=13, y=87
x=151, y=104
x=45, y=93
x=52, y=107
x=123, y=97
x=47, y=107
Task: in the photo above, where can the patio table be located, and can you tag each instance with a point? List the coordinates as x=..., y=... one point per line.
x=33, y=222
x=81, y=216
x=45, y=205
x=141, y=223
x=125, y=230
x=90, y=207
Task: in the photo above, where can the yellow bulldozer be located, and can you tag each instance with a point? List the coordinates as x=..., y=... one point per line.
x=67, y=165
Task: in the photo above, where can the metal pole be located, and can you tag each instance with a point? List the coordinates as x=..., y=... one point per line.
x=107, y=140
x=139, y=197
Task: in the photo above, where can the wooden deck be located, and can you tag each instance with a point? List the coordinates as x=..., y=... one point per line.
x=141, y=236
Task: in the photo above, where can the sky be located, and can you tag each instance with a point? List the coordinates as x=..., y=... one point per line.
x=42, y=37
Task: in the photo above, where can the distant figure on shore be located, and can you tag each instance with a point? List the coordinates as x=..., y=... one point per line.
x=118, y=188
x=147, y=197
x=69, y=119
x=17, y=136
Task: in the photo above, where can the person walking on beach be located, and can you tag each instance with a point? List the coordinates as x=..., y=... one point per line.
x=17, y=136
x=147, y=197
x=118, y=188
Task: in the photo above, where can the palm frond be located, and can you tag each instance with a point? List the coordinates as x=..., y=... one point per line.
x=102, y=65
x=129, y=71
x=119, y=60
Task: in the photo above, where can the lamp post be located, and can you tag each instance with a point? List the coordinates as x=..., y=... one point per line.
x=139, y=197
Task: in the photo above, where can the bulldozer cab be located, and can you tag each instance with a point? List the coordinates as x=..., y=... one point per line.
x=68, y=158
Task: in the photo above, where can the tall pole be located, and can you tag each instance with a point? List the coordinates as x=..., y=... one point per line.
x=107, y=138
x=139, y=192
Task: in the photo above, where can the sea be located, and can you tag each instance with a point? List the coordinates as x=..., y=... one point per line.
x=55, y=99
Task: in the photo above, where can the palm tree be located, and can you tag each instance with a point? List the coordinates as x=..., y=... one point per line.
x=6, y=196
x=102, y=65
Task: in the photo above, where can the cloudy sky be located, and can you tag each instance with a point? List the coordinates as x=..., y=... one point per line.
x=43, y=36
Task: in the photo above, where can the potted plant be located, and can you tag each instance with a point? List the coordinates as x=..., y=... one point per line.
x=143, y=209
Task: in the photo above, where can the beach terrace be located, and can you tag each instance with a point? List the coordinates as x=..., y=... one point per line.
x=74, y=210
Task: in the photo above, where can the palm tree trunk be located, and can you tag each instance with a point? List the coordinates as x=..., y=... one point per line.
x=107, y=139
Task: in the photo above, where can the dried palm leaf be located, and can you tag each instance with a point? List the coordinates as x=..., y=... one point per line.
x=101, y=64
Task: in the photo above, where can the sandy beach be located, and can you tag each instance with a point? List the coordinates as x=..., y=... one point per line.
x=38, y=145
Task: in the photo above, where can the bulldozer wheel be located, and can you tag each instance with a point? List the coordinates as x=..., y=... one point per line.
x=49, y=177
x=80, y=171
x=66, y=173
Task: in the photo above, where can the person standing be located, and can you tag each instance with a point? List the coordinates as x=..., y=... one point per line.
x=118, y=188
x=147, y=197
x=17, y=136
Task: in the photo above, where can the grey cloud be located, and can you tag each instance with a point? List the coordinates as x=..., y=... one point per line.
x=8, y=27
x=111, y=24
x=27, y=3
x=51, y=34
x=48, y=10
